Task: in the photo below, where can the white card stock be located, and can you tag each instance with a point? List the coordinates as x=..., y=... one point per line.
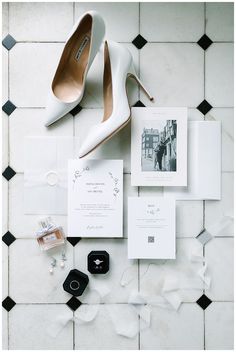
x=151, y=228
x=95, y=198
x=204, y=163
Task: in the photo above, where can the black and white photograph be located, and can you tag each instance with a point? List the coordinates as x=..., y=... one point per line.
x=158, y=144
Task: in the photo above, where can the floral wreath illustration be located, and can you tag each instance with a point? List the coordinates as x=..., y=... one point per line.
x=79, y=173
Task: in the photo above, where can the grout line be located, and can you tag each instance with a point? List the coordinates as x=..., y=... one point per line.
x=101, y=108
x=73, y=12
x=204, y=204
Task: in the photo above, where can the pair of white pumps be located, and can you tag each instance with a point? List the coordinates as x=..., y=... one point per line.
x=68, y=84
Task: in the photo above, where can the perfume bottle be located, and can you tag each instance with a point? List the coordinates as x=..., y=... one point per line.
x=49, y=235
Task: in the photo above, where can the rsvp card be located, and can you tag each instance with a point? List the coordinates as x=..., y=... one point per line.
x=95, y=198
x=151, y=228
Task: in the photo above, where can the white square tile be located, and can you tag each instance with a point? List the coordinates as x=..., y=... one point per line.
x=216, y=210
x=219, y=326
x=118, y=18
x=118, y=147
x=5, y=187
x=4, y=75
x=30, y=83
x=173, y=73
x=30, y=280
x=150, y=191
x=30, y=122
x=45, y=21
x=5, y=161
x=195, y=115
x=4, y=270
x=177, y=22
x=226, y=116
x=29, y=325
x=182, y=268
x=21, y=225
x=220, y=21
x=5, y=22
x=93, y=97
x=219, y=75
x=189, y=218
x=129, y=191
x=4, y=329
x=100, y=334
x=219, y=256
x=171, y=330
x=119, y=264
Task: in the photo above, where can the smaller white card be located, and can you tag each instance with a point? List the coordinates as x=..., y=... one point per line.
x=151, y=228
x=95, y=198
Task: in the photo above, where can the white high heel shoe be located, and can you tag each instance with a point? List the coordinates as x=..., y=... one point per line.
x=118, y=66
x=68, y=84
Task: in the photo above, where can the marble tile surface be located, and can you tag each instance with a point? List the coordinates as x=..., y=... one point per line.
x=220, y=16
x=5, y=142
x=164, y=271
x=182, y=22
x=29, y=88
x=219, y=77
x=117, y=17
x=219, y=253
x=215, y=211
x=45, y=21
x=173, y=73
x=100, y=333
x=178, y=72
x=38, y=320
x=167, y=326
x=219, y=326
x=30, y=280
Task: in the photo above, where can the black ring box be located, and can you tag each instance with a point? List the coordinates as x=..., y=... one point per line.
x=98, y=262
x=76, y=282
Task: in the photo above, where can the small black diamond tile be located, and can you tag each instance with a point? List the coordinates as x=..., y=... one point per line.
x=73, y=240
x=8, y=42
x=73, y=303
x=76, y=110
x=139, y=104
x=204, y=302
x=204, y=107
x=8, y=107
x=8, y=303
x=139, y=41
x=8, y=173
x=8, y=238
x=205, y=42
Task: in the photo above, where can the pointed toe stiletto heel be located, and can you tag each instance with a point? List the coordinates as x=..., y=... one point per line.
x=68, y=84
x=118, y=66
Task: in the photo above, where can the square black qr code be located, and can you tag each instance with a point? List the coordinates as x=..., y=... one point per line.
x=151, y=239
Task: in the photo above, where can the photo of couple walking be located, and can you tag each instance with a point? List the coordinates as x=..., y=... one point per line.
x=159, y=147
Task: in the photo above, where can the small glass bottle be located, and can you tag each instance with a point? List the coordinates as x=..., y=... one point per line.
x=50, y=235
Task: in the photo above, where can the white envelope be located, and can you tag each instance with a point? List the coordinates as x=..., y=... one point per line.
x=45, y=176
x=204, y=163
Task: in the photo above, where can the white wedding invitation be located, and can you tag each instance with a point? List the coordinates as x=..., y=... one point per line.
x=95, y=198
x=151, y=228
x=204, y=163
x=159, y=147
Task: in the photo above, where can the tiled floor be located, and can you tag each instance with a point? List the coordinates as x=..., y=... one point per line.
x=179, y=72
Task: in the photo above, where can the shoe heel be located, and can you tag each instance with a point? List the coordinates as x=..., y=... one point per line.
x=133, y=75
